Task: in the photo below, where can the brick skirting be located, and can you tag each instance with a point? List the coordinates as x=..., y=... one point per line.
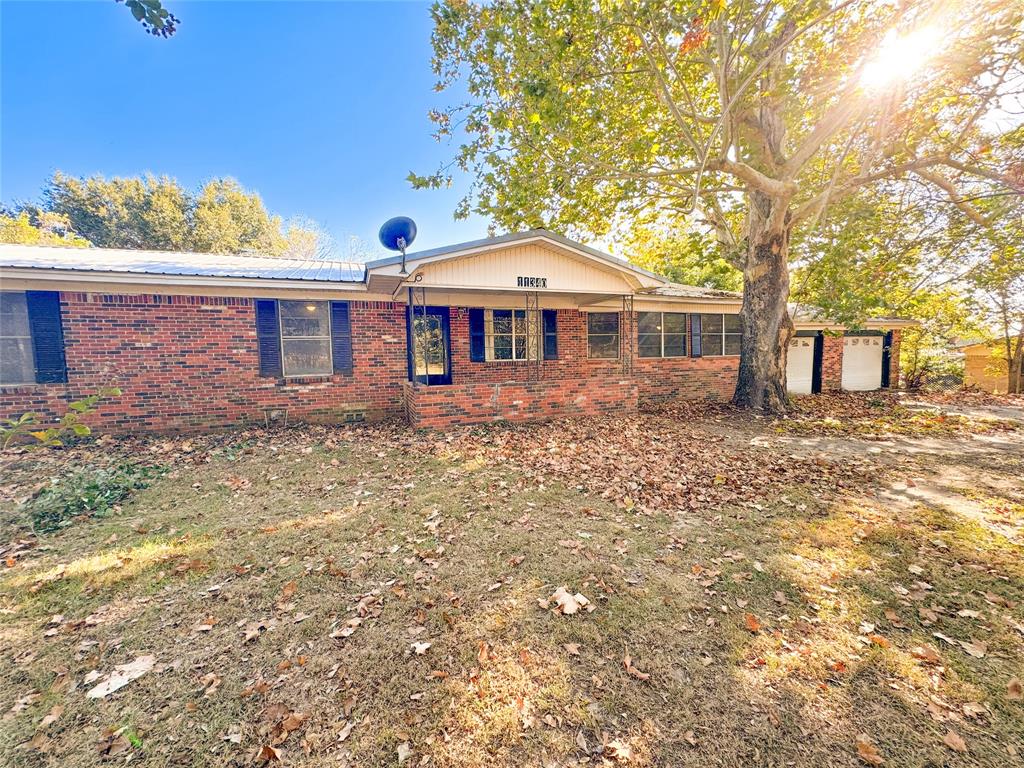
x=439, y=407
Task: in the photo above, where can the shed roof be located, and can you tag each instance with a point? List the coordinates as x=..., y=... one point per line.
x=122, y=260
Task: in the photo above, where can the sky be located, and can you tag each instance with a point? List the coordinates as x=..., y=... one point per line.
x=321, y=107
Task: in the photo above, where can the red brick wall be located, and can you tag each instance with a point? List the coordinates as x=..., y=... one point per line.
x=191, y=362
x=439, y=407
x=658, y=379
x=894, y=360
x=832, y=363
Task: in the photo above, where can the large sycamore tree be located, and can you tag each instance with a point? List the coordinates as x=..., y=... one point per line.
x=746, y=118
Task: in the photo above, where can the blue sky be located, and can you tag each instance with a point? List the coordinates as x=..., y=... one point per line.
x=321, y=107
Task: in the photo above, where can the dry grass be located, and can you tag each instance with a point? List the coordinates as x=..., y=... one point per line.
x=288, y=536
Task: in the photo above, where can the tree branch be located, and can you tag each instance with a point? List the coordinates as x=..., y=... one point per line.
x=947, y=186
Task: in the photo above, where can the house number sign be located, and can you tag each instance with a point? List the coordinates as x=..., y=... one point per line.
x=532, y=282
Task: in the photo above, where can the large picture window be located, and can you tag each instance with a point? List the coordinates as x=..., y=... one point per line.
x=17, y=365
x=662, y=334
x=720, y=335
x=512, y=334
x=305, y=338
x=603, y=335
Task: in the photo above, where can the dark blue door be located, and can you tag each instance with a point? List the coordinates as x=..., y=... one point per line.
x=430, y=348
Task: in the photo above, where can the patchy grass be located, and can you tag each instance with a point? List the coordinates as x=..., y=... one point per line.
x=288, y=584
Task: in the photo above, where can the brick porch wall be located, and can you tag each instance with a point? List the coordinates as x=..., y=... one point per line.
x=657, y=379
x=191, y=363
x=439, y=407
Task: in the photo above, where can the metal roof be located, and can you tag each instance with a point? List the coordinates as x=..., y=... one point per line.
x=120, y=260
x=805, y=313
x=692, y=292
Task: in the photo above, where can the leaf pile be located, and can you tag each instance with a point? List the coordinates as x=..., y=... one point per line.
x=879, y=414
x=657, y=464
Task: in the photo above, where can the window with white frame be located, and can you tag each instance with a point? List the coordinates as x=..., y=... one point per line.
x=603, y=335
x=17, y=365
x=512, y=334
x=720, y=335
x=661, y=334
x=305, y=338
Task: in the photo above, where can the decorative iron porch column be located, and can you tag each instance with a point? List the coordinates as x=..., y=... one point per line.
x=534, y=336
x=626, y=335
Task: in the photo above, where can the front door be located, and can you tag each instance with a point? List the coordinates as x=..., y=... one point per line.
x=429, y=345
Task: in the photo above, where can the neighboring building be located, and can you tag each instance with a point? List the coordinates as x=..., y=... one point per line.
x=524, y=326
x=985, y=366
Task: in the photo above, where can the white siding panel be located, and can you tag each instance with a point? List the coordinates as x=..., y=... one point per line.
x=501, y=270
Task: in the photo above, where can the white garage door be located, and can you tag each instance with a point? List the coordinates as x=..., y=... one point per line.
x=862, y=363
x=800, y=365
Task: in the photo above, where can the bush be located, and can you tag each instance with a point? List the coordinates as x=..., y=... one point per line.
x=69, y=426
x=89, y=491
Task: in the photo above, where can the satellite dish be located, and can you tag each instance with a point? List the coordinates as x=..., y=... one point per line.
x=397, y=234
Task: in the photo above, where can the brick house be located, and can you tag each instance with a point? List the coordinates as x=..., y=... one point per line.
x=518, y=327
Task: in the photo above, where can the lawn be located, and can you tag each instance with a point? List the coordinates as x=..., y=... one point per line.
x=840, y=588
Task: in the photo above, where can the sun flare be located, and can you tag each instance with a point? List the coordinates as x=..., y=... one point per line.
x=899, y=57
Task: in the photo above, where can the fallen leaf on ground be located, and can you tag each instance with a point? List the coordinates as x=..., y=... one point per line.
x=973, y=709
x=977, y=650
x=1015, y=689
x=925, y=653
x=122, y=675
x=953, y=741
x=627, y=662
x=752, y=622
x=867, y=751
x=55, y=712
x=404, y=752
x=22, y=703
x=569, y=604
x=573, y=649
x=420, y=648
x=269, y=754
x=618, y=750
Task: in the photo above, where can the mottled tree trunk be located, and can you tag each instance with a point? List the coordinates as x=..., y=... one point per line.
x=1015, y=368
x=767, y=327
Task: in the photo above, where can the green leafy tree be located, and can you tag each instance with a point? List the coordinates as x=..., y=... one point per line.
x=751, y=118
x=134, y=212
x=48, y=229
x=679, y=251
x=227, y=219
x=156, y=213
x=155, y=19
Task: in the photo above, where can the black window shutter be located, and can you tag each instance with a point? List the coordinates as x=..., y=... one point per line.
x=696, y=348
x=341, y=337
x=268, y=337
x=47, y=336
x=476, y=335
x=550, y=334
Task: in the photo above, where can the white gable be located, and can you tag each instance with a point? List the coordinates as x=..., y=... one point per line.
x=527, y=266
